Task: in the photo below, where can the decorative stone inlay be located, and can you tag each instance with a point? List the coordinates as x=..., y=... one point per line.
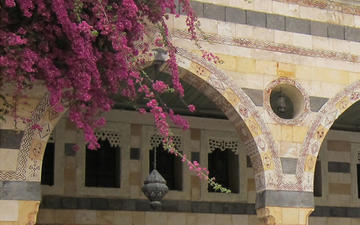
x=156, y=140
x=275, y=47
x=332, y=109
x=337, y=5
x=27, y=167
x=215, y=143
x=113, y=137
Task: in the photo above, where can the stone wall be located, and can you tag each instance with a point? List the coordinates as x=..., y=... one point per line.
x=68, y=201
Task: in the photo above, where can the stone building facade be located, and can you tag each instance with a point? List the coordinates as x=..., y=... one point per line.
x=300, y=53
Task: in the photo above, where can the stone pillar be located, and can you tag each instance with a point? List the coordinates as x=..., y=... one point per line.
x=19, y=202
x=284, y=215
x=284, y=207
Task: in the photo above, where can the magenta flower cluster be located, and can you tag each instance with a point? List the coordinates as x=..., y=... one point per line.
x=85, y=52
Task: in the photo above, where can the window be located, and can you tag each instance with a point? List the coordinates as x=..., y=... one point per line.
x=102, y=166
x=47, y=171
x=317, y=180
x=224, y=166
x=169, y=166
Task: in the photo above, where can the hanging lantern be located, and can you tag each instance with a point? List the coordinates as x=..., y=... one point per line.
x=155, y=188
x=281, y=103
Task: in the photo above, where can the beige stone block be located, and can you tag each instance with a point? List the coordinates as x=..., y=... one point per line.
x=134, y=178
x=312, y=13
x=338, y=221
x=191, y=219
x=209, y=26
x=123, y=218
x=240, y=219
x=135, y=141
x=318, y=220
x=246, y=65
x=355, y=221
x=340, y=189
x=339, y=178
x=290, y=215
x=262, y=5
x=282, y=37
x=206, y=219
x=264, y=34
x=105, y=217
x=226, y=29
x=275, y=131
x=302, y=41
x=338, y=145
x=253, y=220
x=176, y=219
x=299, y=133
x=155, y=218
x=266, y=67
x=223, y=219
x=321, y=43
x=286, y=133
x=289, y=149
x=338, y=156
x=286, y=70
x=46, y=216
x=28, y=211
x=138, y=218
x=64, y=216
x=243, y=31
x=354, y=77
x=8, y=159
x=8, y=223
x=9, y=210
x=85, y=217
x=251, y=185
x=228, y=62
x=195, y=134
x=251, y=196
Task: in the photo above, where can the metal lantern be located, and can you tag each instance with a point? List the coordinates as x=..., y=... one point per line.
x=155, y=186
x=281, y=103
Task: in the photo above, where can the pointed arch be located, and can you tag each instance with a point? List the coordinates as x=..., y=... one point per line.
x=321, y=124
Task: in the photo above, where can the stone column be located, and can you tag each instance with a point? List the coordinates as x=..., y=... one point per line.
x=284, y=207
x=19, y=201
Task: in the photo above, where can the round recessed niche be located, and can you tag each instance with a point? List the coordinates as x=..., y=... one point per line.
x=286, y=101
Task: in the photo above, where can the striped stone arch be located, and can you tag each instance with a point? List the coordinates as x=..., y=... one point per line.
x=321, y=124
x=232, y=100
x=240, y=109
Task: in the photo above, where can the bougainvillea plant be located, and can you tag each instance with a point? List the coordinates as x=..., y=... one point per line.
x=86, y=51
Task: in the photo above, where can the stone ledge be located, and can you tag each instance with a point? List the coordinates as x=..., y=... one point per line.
x=117, y=204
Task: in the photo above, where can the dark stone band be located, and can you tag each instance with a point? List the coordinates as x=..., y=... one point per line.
x=10, y=139
x=61, y=202
x=20, y=190
x=284, y=199
x=274, y=21
x=339, y=167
